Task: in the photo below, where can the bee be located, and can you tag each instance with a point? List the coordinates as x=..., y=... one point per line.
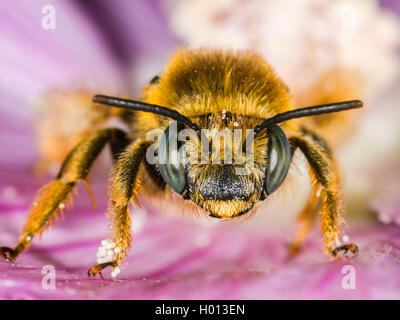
x=213, y=91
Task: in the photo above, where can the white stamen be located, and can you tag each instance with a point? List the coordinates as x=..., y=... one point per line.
x=115, y=272
x=106, y=252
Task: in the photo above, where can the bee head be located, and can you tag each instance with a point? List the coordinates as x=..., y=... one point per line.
x=225, y=187
x=223, y=169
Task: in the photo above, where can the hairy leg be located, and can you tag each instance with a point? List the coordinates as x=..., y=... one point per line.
x=306, y=219
x=308, y=215
x=124, y=189
x=323, y=171
x=52, y=196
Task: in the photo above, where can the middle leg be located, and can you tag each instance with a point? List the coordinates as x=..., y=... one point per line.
x=306, y=219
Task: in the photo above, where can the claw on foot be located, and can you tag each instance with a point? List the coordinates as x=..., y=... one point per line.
x=97, y=269
x=350, y=247
x=8, y=253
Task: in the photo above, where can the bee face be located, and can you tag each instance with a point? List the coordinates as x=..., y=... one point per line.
x=224, y=170
x=222, y=192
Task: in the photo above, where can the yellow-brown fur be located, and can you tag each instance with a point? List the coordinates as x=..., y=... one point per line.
x=64, y=119
x=247, y=88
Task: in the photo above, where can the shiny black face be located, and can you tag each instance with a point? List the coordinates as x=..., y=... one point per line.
x=219, y=188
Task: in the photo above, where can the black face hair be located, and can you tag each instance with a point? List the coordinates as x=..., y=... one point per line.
x=146, y=107
x=309, y=111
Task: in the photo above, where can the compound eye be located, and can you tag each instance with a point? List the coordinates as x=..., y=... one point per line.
x=171, y=159
x=278, y=159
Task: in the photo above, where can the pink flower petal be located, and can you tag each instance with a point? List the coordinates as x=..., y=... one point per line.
x=170, y=258
x=34, y=60
x=174, y=259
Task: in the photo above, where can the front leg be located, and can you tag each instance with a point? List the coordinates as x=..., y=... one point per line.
x=52, y=197
x=124, y=189
x=324, y=173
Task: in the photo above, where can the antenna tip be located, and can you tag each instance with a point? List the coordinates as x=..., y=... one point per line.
x=358, y=104
x=98, y=98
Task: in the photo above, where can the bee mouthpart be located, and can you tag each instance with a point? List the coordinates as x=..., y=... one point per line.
x=241, y=213
x=226, y=209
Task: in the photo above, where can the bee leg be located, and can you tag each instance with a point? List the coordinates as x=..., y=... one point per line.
x=306, y=220
x=124, y=189
x=52, y=196
x=323, y=171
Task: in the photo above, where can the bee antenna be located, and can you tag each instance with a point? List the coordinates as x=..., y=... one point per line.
x=145, y=107
x=309, y=111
